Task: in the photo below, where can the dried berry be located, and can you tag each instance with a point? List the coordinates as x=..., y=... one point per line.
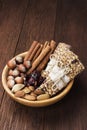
x=35, y=75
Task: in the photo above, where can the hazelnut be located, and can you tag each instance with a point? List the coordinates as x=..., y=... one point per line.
x=19, y=59
x=23, y=75
x=15, y=72
x=10, y=83
x=10, y=72
x=21, y=68
x=27, y=64
x=19, y=80
x=10, y=77
x=11, y=64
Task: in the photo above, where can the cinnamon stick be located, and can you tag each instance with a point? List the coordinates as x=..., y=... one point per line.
x=33, y=53
x=45, y=44
x=38, y=52
x=44, y=62
x=39, y=58
x=30, y=50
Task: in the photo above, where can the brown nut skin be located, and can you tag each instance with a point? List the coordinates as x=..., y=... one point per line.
x=19, y=93
x=11, y=64
x=21, y=68
x=19, y=80
x=43, y=96
x=10, y=73
x=19, y=59
x=26, y=90
x=31, y=88
x=27, y=64
x=10, y=77
x=38, y=92
x=15, y=72
x=33, y=94
x=30, y=97
x=10, y=83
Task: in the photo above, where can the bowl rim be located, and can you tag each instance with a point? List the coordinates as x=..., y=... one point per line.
x=40, y=103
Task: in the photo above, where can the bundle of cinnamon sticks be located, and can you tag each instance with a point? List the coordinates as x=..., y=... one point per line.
x=39, y=55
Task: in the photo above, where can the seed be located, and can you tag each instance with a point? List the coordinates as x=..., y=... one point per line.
x=38, y=91
x=10, y=83
x=26, y=90
x=31, y=88
x=19, y=93
x=17, y=87
x=27, y=64
x=43, y=96
x=15, y=72
x=19, y=59
x=33, y=94
x=10, y=77
x=19, y=80
x=10, y=72
x=21, y=68
x=30, y=97
x=11, y=64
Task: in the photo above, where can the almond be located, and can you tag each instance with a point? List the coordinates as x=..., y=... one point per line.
x=30, y=97
x=31, y=88
x=26, y=90
x=19, y=93
x=38, y=91
x=43, y=96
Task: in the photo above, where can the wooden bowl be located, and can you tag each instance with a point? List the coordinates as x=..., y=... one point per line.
x=33, y=103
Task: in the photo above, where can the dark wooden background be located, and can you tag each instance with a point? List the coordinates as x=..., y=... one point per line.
x=21, y=22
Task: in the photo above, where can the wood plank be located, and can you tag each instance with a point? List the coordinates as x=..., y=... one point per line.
x=39, y=24
x=36, y=26
x=71, y=27
x=11, y=19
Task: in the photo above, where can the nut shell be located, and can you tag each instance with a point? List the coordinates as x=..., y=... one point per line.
x=19, y=93
x=19, y=80
x=15, y=72
x=11, y=83
x=27, y=64
x=10, y=77
x=19, y=59
x=21, y=68
x=11, y=64
x=30, y=97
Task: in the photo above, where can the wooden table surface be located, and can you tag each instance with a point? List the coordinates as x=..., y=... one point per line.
x=21, y=22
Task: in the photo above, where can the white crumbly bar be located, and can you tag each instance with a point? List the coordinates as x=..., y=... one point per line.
x=63, y=66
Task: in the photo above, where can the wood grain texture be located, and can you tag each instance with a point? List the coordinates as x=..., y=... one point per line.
x=23, y=21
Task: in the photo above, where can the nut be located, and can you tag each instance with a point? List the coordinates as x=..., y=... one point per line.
x=27, y=64
x=15, y=72
x=31, y=88
x=26, y=90
x=38, y=91
x=21, y=68
x=33, y=94
x=10, y=77
x=11, y=64
x=19, y=93
x=10, y=83
x=30, y=97
x=23, y=75
x=17, y=87
x=43, y=96
x=10, y=72
x=19, y=59
x=19, y=80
